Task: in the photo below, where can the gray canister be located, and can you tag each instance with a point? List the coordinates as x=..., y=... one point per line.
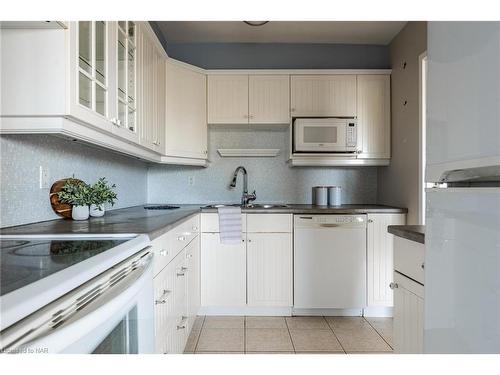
x=320, y=195
x=334, y=195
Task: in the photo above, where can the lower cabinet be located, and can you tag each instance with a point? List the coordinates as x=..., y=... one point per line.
x=171, y=307
x=408, y=315
x=379, y=258
x=193, y=280
x=269, y=269
x=223, y=272
x=256, y=273
x=176, y=291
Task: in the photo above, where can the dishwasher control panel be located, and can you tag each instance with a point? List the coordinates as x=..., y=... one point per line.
x=332, y=220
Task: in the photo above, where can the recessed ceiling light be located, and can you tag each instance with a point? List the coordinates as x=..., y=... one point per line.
x=256, y=23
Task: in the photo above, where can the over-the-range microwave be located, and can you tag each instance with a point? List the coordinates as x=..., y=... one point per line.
x=332, y=134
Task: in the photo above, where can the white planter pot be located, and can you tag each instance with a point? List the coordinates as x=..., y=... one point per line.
x=80, y=212
x=97, y=211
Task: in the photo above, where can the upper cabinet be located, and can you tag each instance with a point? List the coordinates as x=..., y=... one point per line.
x=228, y=99
x=374, y=116
x=186, y=111
x=99, y=82
x=269, y=99
x=151, y=89
x=243, y=99
x=125, y=58
x=323, y=95
x=90, y=81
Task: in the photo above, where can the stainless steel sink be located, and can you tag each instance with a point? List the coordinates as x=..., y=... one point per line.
x=252, y=205
x=267, y=205
x=222, y=205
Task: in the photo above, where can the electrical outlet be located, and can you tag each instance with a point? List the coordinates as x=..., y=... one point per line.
x=191, y=181
x=44, y=177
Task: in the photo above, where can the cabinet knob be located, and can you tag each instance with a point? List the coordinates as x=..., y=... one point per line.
x=393, y=286
x=163, y=252
x=181, y=238
x=423, y=266
x=370, y=220
x=292, y=109
x=249, y=240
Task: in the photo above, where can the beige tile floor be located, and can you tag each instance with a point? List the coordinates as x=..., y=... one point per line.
x=283, y=335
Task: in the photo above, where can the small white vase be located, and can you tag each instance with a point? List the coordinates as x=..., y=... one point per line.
x=80, y=212
x=97, y=211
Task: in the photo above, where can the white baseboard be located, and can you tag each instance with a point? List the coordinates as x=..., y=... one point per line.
x=378, y=312
x=245, y=310
x=382, y=311
x=327, y=312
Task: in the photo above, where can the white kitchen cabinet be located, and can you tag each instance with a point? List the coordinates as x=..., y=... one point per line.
x=94, y=81
x=228, y=99
x=408, y=315
x=269, y=99
x=170, y=306
x=374, y=116
x=151, y=89
x=186, y=111
x=176, y=285
x=193, y=280
x=269, y=267
x=380, y=258
x=125, y=64
x=323, y=95
x=223, y=272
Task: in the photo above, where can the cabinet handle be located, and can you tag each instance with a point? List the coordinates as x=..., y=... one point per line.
x=183, y=271
x=189, y=256
x=423, y=266
x=370, y=220
x=195, y=228
x=163, y=297
x=242, y=240
x=182, y=323
x=163, y=252
x=393, y=286
x=181, y=238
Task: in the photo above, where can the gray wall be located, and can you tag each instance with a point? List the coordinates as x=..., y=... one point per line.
x=21, y=199
x=280, y=55
x=399, y=182
x=273, y=179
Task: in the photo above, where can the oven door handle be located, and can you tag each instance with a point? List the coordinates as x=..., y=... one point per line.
x=66, y=321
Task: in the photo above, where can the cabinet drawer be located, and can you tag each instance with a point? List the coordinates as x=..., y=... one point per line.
x=269, y=223
x=210, y=223
x=179, y=237
x=162, y=253
x=409, y=258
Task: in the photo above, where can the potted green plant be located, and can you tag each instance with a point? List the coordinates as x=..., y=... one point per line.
x=101, y=193
x=78, y=194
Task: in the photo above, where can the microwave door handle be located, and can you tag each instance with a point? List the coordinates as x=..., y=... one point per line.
x=55, y=333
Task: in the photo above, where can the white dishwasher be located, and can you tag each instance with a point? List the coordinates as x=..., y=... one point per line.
x=329, y=261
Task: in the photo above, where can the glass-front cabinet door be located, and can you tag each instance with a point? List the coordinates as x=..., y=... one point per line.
x=92, y=83
x=126, y=79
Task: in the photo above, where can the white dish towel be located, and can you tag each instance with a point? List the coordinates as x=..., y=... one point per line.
x=230, y=225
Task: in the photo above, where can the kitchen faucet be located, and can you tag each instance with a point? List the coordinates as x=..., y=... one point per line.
x=245, y=197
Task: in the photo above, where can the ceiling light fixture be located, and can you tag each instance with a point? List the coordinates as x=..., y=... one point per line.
x=256, y=23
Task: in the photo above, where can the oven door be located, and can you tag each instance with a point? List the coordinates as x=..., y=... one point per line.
x=320, y=135
x=112, y=314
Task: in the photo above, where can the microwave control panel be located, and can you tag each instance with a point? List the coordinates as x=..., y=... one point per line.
x=351, y=138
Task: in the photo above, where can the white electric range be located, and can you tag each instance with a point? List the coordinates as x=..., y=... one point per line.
x=76, y=294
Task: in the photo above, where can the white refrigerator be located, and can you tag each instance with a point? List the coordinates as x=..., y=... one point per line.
x=462, y=266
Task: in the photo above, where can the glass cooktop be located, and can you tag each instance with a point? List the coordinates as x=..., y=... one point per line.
x=26, y=260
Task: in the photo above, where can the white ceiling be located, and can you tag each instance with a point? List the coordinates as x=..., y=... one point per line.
x=342, y=32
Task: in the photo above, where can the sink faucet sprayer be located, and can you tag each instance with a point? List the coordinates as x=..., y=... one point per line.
x=245, y=197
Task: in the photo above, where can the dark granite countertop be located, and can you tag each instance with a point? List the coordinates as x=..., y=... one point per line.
x=133, y=220
x=312, y=209
x=410, y=232
x=137, y=220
